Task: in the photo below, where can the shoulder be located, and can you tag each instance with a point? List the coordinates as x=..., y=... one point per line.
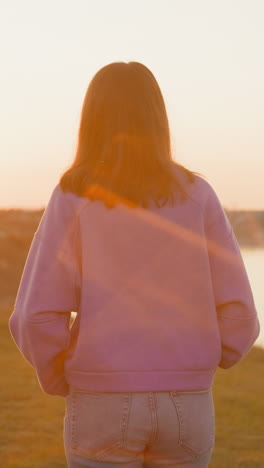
x=200, y=192
x=205, y=195
x=203, y=192
x=216, y=222
x=61, y=213
x=67, y=204
x=66, y=200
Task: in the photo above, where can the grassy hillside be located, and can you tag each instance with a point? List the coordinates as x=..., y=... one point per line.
x=31, y=429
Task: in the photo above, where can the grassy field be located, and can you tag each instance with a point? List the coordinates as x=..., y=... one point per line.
x=31, y=428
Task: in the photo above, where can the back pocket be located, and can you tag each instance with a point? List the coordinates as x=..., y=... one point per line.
x=196, y=416
x=98, y=422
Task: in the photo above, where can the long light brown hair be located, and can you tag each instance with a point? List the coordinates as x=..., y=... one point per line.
x=124, y=150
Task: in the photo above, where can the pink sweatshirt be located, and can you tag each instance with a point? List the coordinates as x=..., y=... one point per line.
x=162, y=295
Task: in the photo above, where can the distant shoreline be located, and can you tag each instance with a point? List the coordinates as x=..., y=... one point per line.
x=248, y=227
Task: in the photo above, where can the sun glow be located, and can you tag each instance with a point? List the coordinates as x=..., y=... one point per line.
x=205, y=56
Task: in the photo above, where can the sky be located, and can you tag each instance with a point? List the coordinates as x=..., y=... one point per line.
x=207, y=56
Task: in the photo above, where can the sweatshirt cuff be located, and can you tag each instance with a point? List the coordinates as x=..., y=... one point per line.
x=61, y=388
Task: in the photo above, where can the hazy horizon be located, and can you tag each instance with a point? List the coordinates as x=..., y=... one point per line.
x=205, y=55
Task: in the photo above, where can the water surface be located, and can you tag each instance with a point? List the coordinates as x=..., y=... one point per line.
x=254, y=262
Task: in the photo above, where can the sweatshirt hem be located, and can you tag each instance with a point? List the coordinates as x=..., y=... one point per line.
x=141, y=381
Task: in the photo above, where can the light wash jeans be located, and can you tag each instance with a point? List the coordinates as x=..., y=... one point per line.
x=139, y=429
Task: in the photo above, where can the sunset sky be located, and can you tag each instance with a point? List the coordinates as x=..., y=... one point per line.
x=207, y=55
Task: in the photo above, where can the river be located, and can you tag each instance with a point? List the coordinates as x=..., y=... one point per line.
x=254, y=262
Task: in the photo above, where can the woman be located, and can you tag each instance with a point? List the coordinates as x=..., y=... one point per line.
x=141, y=249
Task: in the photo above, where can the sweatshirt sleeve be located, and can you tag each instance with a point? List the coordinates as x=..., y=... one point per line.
x=48, y=292
x=236, y=312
